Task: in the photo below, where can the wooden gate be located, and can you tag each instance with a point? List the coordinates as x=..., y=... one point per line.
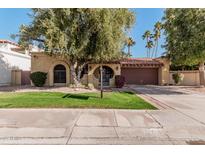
x=25, y=77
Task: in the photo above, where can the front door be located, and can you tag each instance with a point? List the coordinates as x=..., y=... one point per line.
x=107, y=75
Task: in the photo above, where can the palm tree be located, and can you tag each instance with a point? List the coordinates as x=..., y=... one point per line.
x=130, y=42
x=156, y=36
x=149, y=45
x=147, y=35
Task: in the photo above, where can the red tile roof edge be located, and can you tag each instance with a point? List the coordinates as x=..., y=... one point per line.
x=139, y=58
x=142, y=60
x=9, y=42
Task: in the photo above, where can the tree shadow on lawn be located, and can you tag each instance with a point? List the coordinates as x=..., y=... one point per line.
x=78, y=96
x=128, y=92
x=83, y=97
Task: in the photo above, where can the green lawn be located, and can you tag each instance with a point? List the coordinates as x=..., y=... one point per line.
x=117, y=100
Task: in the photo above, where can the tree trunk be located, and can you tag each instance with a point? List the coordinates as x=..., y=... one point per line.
x=149, y=53
x=156, y=49
x=74, y=78
x=153, y=50
x=101, y=81
x=79, y=71
x=147, y=50
x=129, y=51
x=202, y=74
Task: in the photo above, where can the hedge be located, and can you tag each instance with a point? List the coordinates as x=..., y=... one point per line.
x=38, y=78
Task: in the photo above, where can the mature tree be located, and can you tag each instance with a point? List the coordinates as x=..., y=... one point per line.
x=147, y=35
x=156, y=36
x=185, y=36
x=130, y=42
x=80, y=35
x=152, y=37
x=149, y=46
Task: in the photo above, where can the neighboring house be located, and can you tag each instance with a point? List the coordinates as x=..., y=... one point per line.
x=12, y=57
x=135, y=70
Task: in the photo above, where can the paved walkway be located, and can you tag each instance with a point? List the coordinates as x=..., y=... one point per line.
x=180, y=121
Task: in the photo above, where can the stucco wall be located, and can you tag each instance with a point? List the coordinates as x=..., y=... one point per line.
x=202, y=74
x=45, y=63
x=84, y=79
x=10, y=60
x=93, y=80
x=163, y=72
x=191, y=78
x=15, y=77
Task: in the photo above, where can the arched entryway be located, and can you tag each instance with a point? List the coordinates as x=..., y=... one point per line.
x=59, y=73
x=108, y=73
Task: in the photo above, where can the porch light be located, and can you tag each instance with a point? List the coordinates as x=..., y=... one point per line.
x=117, y=68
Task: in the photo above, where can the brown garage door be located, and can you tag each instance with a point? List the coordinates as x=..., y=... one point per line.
x=141, y=76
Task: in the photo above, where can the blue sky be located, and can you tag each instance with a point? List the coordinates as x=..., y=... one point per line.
x=11, y=19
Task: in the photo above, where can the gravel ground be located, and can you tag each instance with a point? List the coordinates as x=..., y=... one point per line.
x=44, y=89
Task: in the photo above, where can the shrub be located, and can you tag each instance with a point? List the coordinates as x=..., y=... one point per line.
x=38, y=78
x=177, y=77
x=119, y=81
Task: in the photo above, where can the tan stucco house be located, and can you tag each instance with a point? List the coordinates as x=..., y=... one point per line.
x=135, y=70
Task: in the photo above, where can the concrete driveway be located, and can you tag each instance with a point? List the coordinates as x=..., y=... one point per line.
x=187, y=102
x=180, y=120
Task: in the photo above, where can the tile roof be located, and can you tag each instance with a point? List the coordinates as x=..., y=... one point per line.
x=9, y=42
x=137, y=63
x=140, y=62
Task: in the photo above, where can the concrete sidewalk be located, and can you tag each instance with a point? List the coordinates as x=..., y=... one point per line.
x=98, y=126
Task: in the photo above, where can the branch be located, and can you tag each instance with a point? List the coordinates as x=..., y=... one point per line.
x=28, y=37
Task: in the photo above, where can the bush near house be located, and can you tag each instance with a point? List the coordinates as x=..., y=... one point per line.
x=177, y=77
x=38, y=78
x=119, y=81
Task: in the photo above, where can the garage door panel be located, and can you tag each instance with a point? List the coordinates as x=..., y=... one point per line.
x=141, y=76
